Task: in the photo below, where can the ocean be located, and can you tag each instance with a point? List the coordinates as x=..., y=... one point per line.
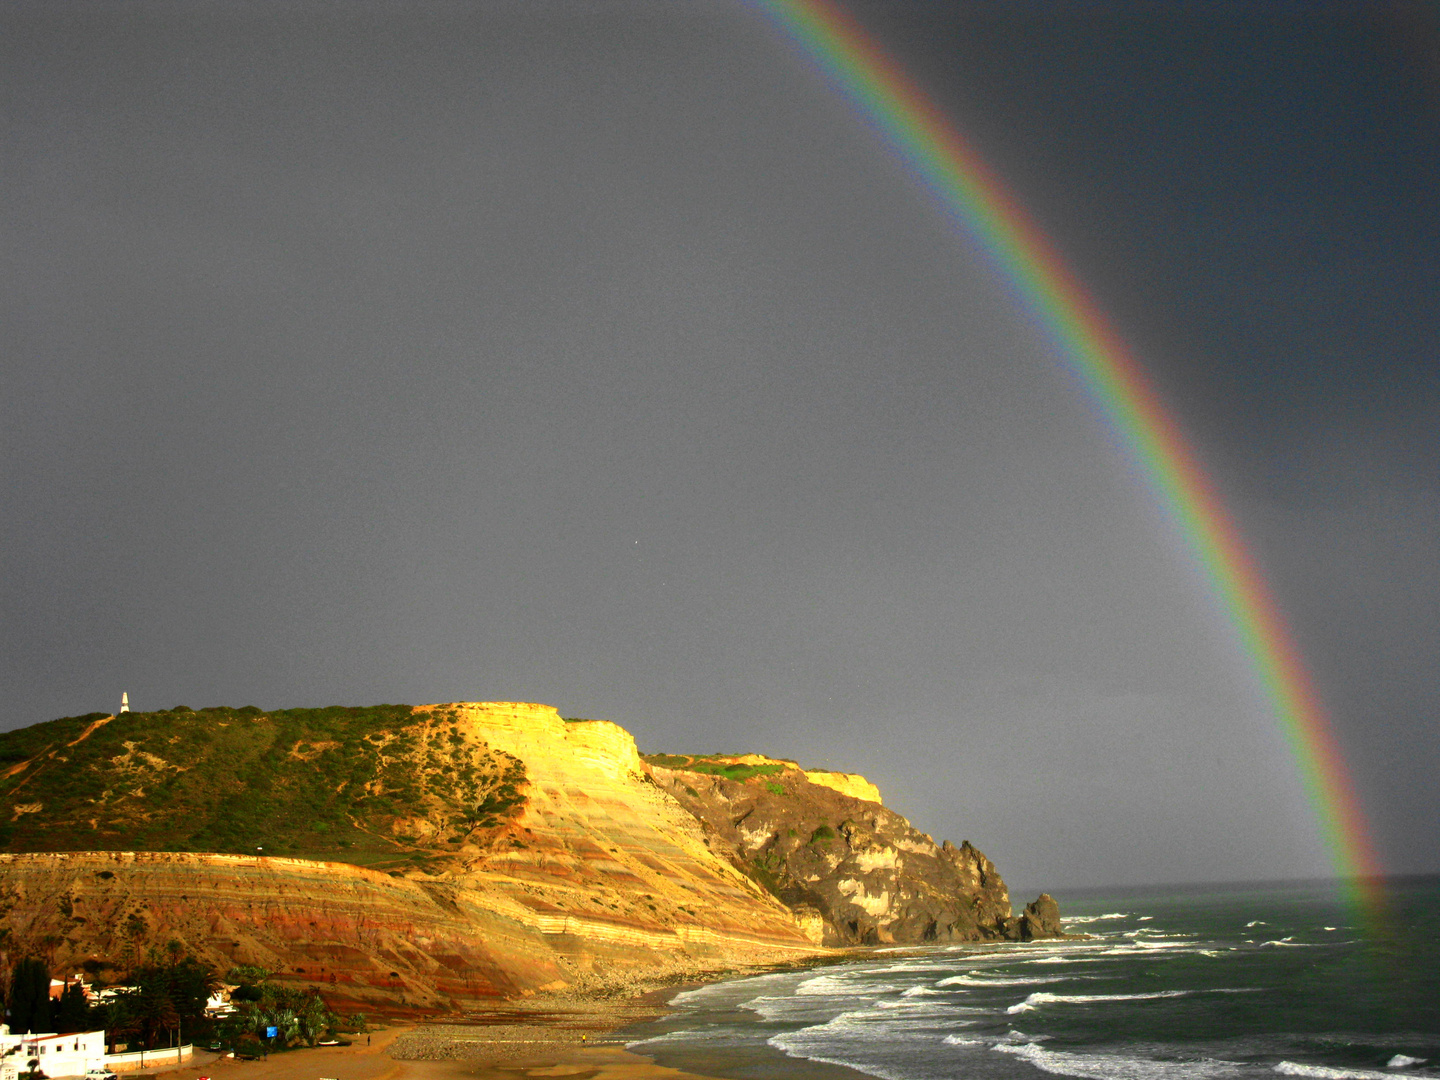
x=1232, y=983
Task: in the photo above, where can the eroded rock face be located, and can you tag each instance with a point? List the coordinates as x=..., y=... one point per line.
x=364, y=938
x=865, y=873
x=1040, y=919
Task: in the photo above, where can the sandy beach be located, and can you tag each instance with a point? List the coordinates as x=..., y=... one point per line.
x=553, y=1038
x=508, y=1051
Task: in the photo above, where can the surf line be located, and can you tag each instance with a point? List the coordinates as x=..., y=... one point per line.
x=924, y=139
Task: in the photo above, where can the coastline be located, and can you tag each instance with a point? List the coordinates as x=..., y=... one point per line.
x=578, y=1036
x=585, y=1035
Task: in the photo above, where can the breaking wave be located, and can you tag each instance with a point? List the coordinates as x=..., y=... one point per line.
x=1327, y=1072
x=1116, y=1066
x=1041, y=997
x=974, y=978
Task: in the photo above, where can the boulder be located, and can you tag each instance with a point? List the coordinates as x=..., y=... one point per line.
x=1041, y=919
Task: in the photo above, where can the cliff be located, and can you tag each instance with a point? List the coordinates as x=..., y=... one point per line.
x=824, y=844
x=419, y=858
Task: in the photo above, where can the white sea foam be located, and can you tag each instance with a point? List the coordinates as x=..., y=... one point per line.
x=922, y=991
x=1286, y=943
x=890, y=968
x=976, y=979
x=851, y=1021
x=914, y=1006
x=814, y=1044
x=1404, y=1061
x=1011, y=1037
x=792, y=1009
x=1145, y=918
x=724, y=991
x=1097, y=918
x=712, y=1036
x=1256, y=922
x=1326, y=1072
x=1041, y=997
x=1137, y=948
x=830, y=1042
x=939, y=1001
x=824, y=984
x=848, y=984
x=1116, y=1066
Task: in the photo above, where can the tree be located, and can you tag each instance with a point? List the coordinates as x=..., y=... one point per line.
x=73, y=1012
x=117, y=1019
x=155, y=1011
x=30, y=996
x=314, y=1019
x=298, y=1015
x=168, y=996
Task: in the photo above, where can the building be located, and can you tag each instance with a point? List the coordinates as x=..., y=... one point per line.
x=57, y=987
x=57, y=1055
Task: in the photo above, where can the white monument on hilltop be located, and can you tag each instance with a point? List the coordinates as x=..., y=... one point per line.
x=124, y=701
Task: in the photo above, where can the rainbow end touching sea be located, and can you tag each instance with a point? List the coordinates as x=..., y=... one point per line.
x=928, y=143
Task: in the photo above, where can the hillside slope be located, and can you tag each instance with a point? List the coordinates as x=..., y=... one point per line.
x=346, y=784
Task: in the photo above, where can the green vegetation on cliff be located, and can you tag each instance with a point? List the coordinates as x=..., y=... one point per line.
x=715, y=765
x=382, y=785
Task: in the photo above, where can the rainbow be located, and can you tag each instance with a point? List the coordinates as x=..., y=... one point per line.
x=971, y=192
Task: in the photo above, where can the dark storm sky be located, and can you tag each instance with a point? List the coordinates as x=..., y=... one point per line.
x=598, y=355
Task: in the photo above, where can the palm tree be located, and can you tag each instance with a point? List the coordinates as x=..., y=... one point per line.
x=117, y=1018
x=314, y=1019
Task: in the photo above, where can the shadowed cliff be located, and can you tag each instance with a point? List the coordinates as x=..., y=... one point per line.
x=825, y=845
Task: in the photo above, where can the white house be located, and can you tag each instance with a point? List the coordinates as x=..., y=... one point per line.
x=218, y=1003
x=58, y=1055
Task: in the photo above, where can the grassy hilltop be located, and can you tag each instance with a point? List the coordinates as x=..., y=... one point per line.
x=380, y=786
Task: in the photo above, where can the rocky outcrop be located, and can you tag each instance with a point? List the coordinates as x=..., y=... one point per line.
x=857, y=787
x=1040, y=919
x=862, y=872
